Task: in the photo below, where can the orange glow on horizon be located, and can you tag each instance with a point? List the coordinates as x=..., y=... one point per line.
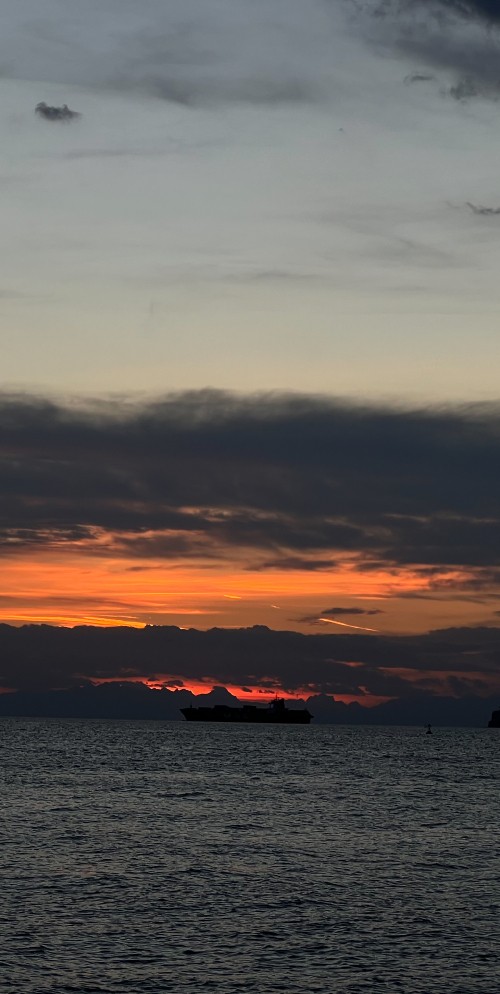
x=253, y=695
x=74, y=587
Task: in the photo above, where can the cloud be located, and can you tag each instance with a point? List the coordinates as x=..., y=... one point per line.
x=454, y=661
x=296, y=481
x=333, y=611
x=282, y=52
x=464, y=89
x=56, y=113
x=418, y=77
x=454, y=36
x=484, y=211
x=185, y=52
x=486, y=10
x=284, y=562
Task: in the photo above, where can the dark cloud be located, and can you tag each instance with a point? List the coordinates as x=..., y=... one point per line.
x=486, y=10
x=271, y=54
x=333, y=611
x=484, y=211
x=457, y=37
x=418, y=77
x=458, y=661
x=464, y=89
x=295, y=563
x=290, y=481
x=56, y=113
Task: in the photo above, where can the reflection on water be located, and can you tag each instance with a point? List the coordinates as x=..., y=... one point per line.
x=149, y=857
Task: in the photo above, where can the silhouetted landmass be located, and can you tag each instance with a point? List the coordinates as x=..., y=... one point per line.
x=51, y=671
x=136, y=701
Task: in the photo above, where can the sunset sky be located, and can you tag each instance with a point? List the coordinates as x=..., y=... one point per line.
x=249, y=315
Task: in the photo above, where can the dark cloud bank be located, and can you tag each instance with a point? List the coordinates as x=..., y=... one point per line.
x=54, y=669
x=194, y=53
x=457, y=36
x=288, y=481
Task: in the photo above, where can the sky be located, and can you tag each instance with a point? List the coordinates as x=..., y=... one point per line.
x=249, y=314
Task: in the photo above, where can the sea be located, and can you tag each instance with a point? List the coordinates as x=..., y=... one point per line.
x=150, y=857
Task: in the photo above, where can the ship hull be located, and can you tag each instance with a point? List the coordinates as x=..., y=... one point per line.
x=248, y=715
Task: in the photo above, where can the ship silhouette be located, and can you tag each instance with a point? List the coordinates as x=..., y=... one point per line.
x=276, y=713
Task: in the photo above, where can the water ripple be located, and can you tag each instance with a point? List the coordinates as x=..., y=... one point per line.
x=148, y=857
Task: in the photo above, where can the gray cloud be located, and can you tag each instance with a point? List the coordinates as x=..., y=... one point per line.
x=187, y=52
x=485, y=10
x=454, y=36
x=191, y=53
x=295, y=481
x=418, y=77
x=49, y=113
x=464, y=89
x=484, y=211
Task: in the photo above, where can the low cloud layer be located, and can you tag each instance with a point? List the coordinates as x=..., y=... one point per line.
x=285, y=481
x=458, y=662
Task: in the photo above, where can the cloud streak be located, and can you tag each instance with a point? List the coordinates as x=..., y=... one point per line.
x=344, y=624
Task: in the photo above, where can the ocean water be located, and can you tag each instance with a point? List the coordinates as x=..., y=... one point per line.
x=148, y=857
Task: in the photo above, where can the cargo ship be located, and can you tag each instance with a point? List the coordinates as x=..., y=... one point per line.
x=276, y=713
x=494, y=721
